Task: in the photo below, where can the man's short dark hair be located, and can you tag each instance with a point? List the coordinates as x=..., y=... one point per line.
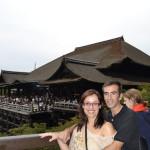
x=108, y=83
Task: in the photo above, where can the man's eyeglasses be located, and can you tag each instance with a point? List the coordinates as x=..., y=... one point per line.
x=91, y=104
x=114, y=93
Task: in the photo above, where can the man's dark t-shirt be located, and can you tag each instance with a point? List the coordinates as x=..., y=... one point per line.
x=125, y=122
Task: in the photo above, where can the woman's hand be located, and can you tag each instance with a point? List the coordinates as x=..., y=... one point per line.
x=53, y=135
x=62, y=135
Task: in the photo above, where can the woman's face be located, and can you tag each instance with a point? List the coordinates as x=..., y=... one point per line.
x=91, y=106
x=128, y=102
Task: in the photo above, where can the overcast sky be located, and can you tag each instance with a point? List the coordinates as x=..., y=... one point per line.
x=38, y=31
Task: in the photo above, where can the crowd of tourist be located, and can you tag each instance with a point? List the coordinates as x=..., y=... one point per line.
x=37, y=103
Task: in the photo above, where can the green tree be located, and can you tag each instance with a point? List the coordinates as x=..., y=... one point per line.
x=26, y=129
x=145, y=91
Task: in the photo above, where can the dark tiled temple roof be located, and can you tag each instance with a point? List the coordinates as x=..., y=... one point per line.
x=97, y=62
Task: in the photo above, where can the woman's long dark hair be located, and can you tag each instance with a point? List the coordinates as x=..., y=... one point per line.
x=82, y=116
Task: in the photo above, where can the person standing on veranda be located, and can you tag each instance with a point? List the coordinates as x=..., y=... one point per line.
x=123, y=119
x=133, y=100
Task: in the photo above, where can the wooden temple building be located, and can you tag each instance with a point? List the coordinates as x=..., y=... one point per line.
x=86, y=67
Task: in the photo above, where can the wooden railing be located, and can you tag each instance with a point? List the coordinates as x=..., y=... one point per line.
x=16, y=107
x=29, y=109
x=23, y=142
x=65, y=106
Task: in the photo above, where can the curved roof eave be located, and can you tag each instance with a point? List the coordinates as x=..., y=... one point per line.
x=46, y=71
x=126, y=51
x=135, y=54
x=92, y=74
x=108, y=63
x=11, y=76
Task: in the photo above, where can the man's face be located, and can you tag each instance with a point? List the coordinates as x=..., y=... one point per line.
x=111, y=96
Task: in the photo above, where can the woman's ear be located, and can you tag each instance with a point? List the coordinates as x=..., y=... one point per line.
x=100, y=106
x=132, y=100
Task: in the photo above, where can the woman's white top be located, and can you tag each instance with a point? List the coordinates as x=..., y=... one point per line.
x=94, y=141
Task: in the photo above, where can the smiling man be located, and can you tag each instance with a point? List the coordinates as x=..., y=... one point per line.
x=123, y=119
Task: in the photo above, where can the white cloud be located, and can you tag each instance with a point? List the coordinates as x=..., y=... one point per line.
x=42, y=30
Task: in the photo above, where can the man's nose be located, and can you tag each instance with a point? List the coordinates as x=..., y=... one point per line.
x=109, y=96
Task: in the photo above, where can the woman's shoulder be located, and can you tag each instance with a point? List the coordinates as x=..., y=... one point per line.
x=108, y=129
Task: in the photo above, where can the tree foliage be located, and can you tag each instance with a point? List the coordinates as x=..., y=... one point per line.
x=145, y=91
x=26, y=129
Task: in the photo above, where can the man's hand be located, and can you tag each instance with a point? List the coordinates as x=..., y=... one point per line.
x=116, y=145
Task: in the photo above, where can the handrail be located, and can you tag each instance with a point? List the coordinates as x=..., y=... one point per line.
x=22, y=142
x=16, y=107
x=29, y=109
x=66, y=105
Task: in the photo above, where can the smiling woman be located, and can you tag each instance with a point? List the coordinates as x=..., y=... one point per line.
x=92, y=131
